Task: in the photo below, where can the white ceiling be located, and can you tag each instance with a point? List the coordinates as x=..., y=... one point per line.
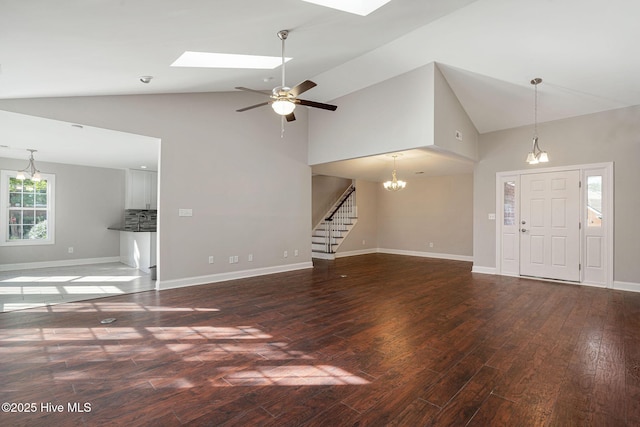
x=410, y=164
x=489, y=50
x=71, y=143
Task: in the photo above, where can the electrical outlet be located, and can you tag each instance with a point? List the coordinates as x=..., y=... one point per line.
x=286, y=254
x=70, y=249
x=363, y=242
x=295, y=252
x=250, y=257
x=185, y=212
x=231, y=260
x=430, y=244
x=211, y=259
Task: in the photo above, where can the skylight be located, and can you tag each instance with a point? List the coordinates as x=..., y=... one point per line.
x=359, y=7
x=227, y=60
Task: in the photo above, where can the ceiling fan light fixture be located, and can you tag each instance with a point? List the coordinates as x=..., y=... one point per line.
x=284, y=107
x=283, y=98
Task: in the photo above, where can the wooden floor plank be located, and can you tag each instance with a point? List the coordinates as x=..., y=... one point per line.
x=368, y=340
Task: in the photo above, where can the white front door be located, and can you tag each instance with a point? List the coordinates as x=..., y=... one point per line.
x=550, y=225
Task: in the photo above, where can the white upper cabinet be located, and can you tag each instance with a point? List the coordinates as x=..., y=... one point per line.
x=142, y=190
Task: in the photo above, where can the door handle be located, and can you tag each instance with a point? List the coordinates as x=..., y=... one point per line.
x=523, y=230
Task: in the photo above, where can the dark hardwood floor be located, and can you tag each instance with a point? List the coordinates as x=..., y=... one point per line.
x=367, y=340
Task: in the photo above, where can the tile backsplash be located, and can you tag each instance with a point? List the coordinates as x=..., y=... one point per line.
x=146, y=218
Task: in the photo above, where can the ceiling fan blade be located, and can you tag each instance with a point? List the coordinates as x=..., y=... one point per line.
x=302, y=87
x=290, y=117
x=316, y=104
x=253, y=106
x=261, y=92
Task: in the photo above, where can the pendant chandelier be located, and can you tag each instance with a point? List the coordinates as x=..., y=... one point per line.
x=536, y=155
x=30, y=170
x=395, y=184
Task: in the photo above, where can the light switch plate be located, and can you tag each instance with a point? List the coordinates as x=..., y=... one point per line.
x=185, y=212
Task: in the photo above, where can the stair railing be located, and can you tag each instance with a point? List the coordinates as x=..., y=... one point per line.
x=339, y=217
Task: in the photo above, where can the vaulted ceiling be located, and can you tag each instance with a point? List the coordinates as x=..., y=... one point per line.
x=489, y=50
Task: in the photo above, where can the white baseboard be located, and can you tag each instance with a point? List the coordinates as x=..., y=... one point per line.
x=59, y=263
x=626, y=286
x=322, y=255
x=484, y=270
x=355, y=253
x=452, y=257
x=232, y=275
x=592, y=285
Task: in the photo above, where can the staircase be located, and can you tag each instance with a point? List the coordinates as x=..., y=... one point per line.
x=330, y=232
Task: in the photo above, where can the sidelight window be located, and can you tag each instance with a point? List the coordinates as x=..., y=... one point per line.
x=594, y=201
x=509, y=213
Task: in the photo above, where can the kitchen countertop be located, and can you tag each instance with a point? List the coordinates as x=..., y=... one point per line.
x=133, y=230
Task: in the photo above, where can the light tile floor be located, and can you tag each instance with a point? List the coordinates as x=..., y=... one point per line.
x=21, y=289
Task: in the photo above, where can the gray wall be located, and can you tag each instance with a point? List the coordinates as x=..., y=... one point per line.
x=603, y=137
x=250, y=190
x=394, y=115
x=367, y=226
x=414, y=110
x=449, y=117
x=432, y=209
x=325, y=191
x=87, y=201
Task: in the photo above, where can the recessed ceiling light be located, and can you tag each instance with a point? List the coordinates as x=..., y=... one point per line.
x=419, y=173
x=77, y=126
x=227, y=60
x=143, y=167
x=359, y=7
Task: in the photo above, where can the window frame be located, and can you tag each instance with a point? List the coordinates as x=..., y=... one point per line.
x=5, y=175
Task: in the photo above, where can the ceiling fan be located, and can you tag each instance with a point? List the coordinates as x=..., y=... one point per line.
x=284, y=99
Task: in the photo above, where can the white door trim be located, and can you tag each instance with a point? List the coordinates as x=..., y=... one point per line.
x=607, y=205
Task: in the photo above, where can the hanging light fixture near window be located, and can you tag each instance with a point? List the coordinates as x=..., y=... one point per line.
x=536, y=155
x=395, y=184
x=31, y=170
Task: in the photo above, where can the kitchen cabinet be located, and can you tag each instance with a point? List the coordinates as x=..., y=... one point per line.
x=142, y=190
x=138, y=249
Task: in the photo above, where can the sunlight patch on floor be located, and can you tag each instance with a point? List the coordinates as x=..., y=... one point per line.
x=91, y=290
x=106, y=279
x=218, y=351
x=53, y=279
x=295, y=375
x=11, y=306
x=41, y=288
x=207, y=332
x=80, y=307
